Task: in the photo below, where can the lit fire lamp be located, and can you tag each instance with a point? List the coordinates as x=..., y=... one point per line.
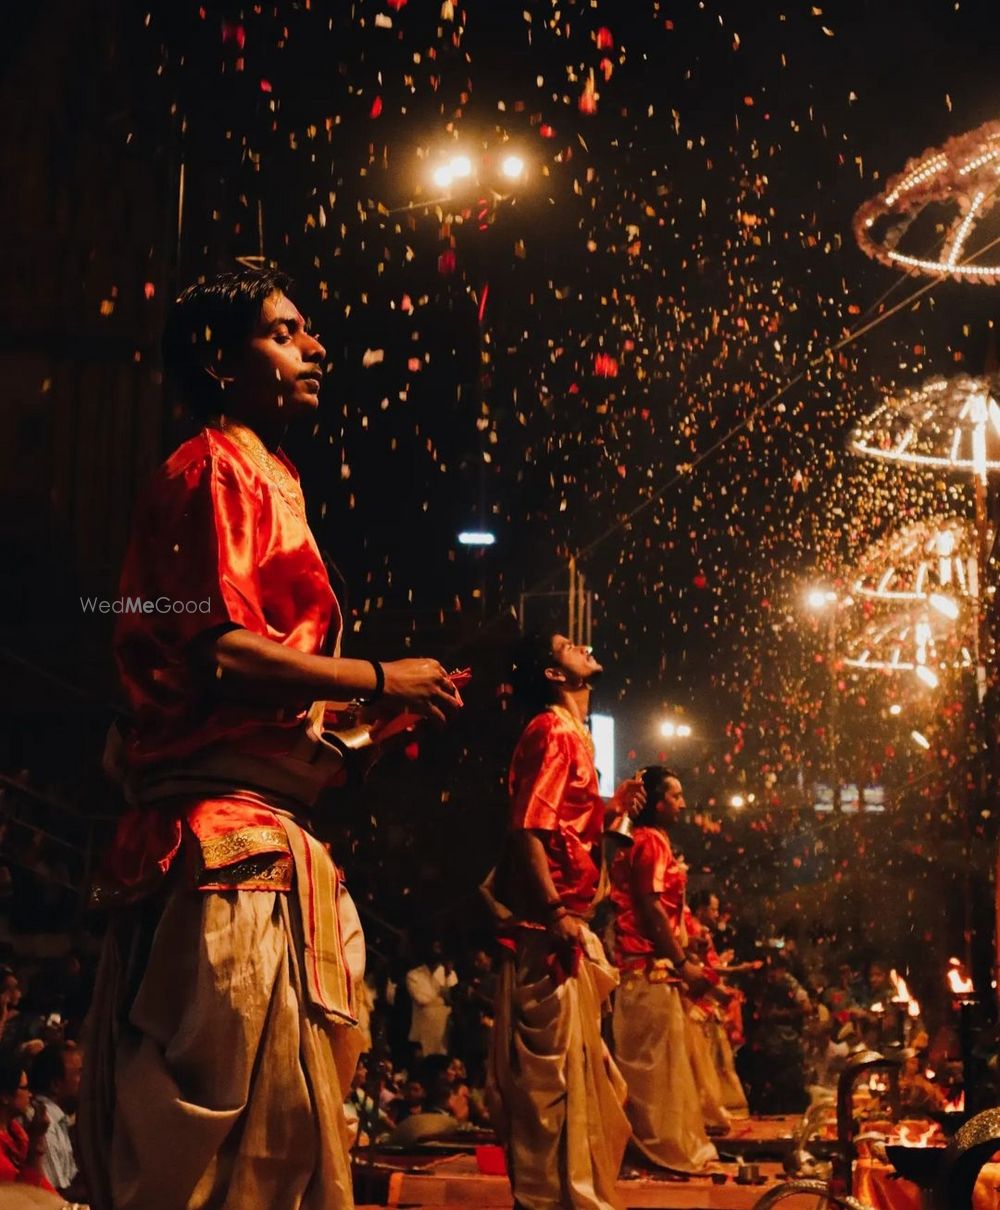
x=966, y=1003
x=897, y=1022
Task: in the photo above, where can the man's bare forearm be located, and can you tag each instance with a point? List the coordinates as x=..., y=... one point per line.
x=656, y=924
x=532, y=866
x=247, y=665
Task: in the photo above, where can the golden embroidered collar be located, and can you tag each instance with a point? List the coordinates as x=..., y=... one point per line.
x=570, y=719
x=258, y=453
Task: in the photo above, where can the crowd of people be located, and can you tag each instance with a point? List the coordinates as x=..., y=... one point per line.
x=428, y=1016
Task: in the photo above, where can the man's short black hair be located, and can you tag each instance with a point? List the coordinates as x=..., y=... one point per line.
x=11, y=1070
x=532, y=688
x=210, y=321
x=701, y=899
x=48, y=1067
x=432, y=1072
x=653, y=779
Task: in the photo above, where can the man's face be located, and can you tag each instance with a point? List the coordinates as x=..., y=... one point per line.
x=877, y=977
x=22, y=1098
x=710, y=912
x=574, y=661
x=68, y=1093
x=281, y=367
x=671, y=801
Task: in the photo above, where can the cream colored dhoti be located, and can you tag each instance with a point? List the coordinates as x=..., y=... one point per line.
x=706, y=1074
x=555, y=1094
x=734, y=1099
x=651, y=1050
x=211, y=1079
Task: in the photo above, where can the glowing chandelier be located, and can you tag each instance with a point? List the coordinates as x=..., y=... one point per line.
x=952, y=189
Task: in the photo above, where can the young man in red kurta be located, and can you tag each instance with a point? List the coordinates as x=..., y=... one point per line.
x=222, y=1037
x=648, y=891
x=555, y=1094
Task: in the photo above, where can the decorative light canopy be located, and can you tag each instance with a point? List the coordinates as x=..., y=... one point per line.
x=952, y=189
x=929, y=561
x=952, y=423
x=910, y=641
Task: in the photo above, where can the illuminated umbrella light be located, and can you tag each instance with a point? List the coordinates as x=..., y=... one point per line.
x=917, y=642
x=962, y=177
x=931, y=561
x=951, y=423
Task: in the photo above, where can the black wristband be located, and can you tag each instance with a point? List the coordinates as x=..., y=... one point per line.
x=379, y=689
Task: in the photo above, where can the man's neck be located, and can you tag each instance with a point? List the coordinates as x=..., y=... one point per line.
x=270, y=429
x=576, y=701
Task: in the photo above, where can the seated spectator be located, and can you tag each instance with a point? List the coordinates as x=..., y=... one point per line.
x=465, y=1104
x=55, y=1081
x=364, y=1117
x=434, y=1119
x=22, y=1139
x=10, y=999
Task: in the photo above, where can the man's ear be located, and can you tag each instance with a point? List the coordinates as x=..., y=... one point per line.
x=555, y=674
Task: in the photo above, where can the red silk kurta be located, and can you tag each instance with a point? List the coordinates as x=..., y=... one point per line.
x=215, y=544
x=553, y=790
x=647, y=867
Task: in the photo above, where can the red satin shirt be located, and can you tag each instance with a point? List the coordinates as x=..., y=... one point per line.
x=212, y=528
x=217, y=538
x=553, y=790
x=647, y=867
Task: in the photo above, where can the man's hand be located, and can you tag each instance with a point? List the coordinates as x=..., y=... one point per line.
x=422, y=685
x=566, y=928
x=629, y=798
x=693, y=974
x=35, y=1128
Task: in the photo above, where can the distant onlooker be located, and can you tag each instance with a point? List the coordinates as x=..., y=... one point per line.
x=472, y=1016
x=435, y=1118
x=429, y=985
x=22, y=1139
x=55, y=1081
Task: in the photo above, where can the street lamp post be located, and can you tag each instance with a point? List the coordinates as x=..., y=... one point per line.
x=827, y=603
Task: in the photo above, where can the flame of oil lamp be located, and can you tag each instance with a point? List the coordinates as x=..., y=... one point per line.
x=958, y=982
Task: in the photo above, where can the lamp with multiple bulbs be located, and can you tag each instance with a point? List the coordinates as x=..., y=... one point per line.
x=505, y=170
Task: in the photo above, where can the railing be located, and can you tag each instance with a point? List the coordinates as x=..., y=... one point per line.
x=819, y=1189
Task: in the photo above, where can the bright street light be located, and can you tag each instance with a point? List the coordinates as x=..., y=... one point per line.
x=895, y=708
x=512, y=167
x=920, y=740
x=442, y=176
x=460, y=166
x=819, y=598
x=670, y=729
x=476, y=537
x=737, y=801
x=683, y=731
